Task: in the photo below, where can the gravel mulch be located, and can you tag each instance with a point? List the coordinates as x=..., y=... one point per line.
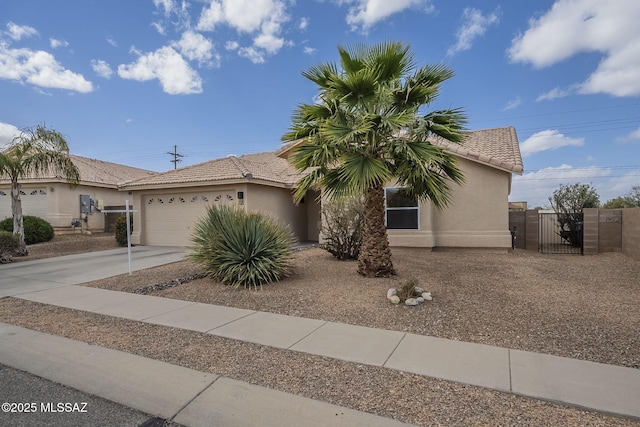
x=581, y=307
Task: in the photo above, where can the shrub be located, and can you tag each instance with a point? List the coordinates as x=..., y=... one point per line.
x=240, y=248
x=342, y=227
x=121, y=229
x=36, y=229
x=408, y=290
x=9, y=243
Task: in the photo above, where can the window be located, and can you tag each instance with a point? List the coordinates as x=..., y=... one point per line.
x=402, y=212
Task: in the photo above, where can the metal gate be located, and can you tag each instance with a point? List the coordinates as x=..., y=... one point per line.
x=561, y=233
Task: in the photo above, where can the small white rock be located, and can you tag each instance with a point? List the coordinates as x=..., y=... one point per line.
x=427, y=296
x=419, y=290
x=394, y=299
x=411, y=301
x=420, y=300
x=391, y=292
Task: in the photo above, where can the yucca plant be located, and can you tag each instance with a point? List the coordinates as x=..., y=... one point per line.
x=240, y=248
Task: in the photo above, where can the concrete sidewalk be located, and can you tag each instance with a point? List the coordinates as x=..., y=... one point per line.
x=597, y=386
x=175, y=393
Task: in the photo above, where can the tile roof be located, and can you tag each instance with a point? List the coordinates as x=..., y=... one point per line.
x=498, y=148
x=265, y=167
x=94, y=171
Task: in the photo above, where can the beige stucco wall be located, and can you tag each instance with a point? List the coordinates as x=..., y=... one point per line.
x=278, y=203
x=59, y=204
x=177, y=225
x=477, y=215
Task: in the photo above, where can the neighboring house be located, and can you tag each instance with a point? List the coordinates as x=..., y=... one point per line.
x=50, y=197
x=478, y=213
x=170, y=203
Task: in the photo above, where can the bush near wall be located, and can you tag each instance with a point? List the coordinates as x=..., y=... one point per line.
x=121, y=229
x=36, y=229
x=342, y=224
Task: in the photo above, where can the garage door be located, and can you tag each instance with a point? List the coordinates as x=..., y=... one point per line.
x=169, y=218
x=34, y=202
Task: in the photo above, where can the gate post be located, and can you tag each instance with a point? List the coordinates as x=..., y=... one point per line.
x=590, y=239
x=531, y=236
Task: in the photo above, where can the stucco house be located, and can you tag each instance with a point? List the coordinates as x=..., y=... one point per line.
x=478, y=213
x=50, y=197
x=170, y=203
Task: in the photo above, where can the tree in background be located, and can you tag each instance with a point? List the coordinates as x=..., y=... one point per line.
x=568, y=201
x=34, y=152
x=629, y=200
x=367, y=129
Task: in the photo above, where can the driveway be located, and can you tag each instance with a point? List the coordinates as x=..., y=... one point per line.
x=30, y=276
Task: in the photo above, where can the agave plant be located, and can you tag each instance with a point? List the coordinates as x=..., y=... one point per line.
x=240, y=248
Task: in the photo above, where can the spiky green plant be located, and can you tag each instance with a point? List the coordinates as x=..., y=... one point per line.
x=240, y=248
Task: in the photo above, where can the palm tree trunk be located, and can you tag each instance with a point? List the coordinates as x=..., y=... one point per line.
x=16, y=210
x=375, y=255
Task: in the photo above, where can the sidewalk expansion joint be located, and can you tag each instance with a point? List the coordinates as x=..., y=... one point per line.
x=230, y=321
x=304, y=337
x=167, y=312
x=394, y=350
x=195, y=397
x=509, y=362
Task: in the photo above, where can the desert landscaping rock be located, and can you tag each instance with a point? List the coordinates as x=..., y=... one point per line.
x=518, y=300
x=411, y=301
x=394, y=299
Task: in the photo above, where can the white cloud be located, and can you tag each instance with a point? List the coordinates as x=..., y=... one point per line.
x=364, y=14
x=112, y=41
x=303, y=24
x=159, y=28
x=56, y=43
x=474, y=24
x=633, y=136
x=571, y=27
x=263, y=20
x=251, y=54
x=7, y=133
x=39, y=68
x=309, y=50
x=196, y=47
x=101, y=68
x=554, y=93
x=232, y=45
x=166, y=6
x=169, y=67
x=513, y=104
x=547, y=140
x=18, y=32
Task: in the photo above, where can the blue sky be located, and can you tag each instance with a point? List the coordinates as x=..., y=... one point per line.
x=126, y=80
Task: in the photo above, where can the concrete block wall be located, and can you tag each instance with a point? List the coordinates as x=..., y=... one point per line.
x=631, y=232
x=590, y=237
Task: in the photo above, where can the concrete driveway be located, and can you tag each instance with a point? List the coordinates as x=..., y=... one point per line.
x=29, y=276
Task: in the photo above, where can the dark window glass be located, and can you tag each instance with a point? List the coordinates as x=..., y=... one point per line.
x=404, y=219
x=396, y=199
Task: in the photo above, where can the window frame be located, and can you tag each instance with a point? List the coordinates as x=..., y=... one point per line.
x=387, y=208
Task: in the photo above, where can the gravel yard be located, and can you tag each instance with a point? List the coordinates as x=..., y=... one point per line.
x=581, y=307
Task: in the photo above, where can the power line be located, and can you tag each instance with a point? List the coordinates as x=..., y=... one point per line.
x=176, y=157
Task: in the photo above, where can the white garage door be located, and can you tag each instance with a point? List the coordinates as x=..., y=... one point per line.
x=34, y=202
x=169, y=218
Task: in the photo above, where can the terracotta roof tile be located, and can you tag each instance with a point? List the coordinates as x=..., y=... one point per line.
x=496, y=147
x=260, y=166
x=94, y=171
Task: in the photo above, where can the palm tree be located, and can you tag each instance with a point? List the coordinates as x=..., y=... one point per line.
x=35, y=151
x=367, y=129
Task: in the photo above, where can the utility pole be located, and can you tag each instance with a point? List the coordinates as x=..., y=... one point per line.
x=176, y=156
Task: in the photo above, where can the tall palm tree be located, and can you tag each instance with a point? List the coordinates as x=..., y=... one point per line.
x=35, y=151
x=367, y=129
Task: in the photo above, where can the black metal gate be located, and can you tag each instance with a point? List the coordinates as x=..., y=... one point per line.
x=561, y=233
